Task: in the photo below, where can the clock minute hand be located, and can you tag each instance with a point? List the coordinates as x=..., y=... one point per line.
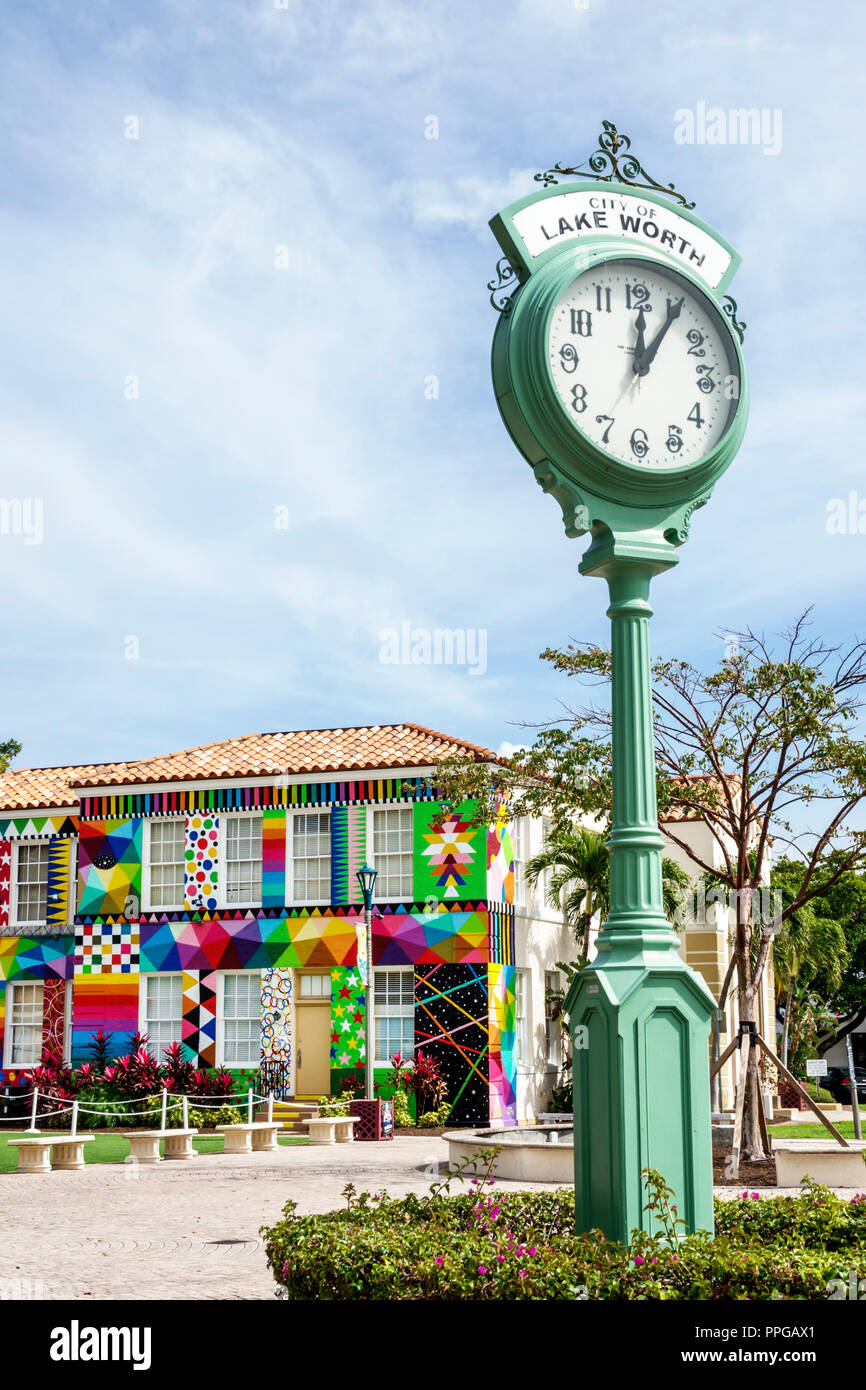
x=642, y=365
x=640, y=345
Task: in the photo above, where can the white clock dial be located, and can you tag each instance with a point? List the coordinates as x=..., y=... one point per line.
x=643, y=362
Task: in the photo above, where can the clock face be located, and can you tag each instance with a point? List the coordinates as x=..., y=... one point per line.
x=644, y=364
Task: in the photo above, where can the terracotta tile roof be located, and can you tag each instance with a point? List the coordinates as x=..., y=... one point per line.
x=689, y=813
x=255, y=755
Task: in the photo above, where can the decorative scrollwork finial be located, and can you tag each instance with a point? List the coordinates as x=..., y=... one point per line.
x=612, y=163
x=503, y=287
x=729, y=306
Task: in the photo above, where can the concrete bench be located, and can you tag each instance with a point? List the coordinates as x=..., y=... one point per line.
x=258, y=1137
x=35, y=1154
x=144, y=1144
x=822, y=1159
x=331, y=1129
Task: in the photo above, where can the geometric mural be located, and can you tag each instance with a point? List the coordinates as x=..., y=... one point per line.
x=348, y=1018
x=109, y=867
x=447, y=860
x=417, y=938
x=452, y=1026
x=276, y=1034
x=109, y=1002
x=500, y=862
x=59, y=861
x=106, y=948
x=200, y=862
x=273, y=858
x=53, y=1016
x=243, y=941
x=348, y=852
x=198, y=1024
x=36, y=958
x=503, y=1060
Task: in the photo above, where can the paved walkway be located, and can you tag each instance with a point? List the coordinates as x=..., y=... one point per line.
x=189, y=1230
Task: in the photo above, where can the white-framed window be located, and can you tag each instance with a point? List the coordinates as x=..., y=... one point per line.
x=315, y=986
x=165, y=846
x=552, y=1027
x=242, y=861
x=31, y=882
x=162, y=1012
x=522, y=1038
x=23, y=1045
x=310, y=857
x=393, y=1014
x=544, y=881
x=518, y=838
x=239, y=1018
x=392, y=852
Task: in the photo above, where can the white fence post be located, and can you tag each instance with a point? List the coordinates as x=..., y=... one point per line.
x=34, y=1104
x=185, y=1113
x=271, y=1108
x=74, y=1129
x=249, y=1106
x=164, y=1104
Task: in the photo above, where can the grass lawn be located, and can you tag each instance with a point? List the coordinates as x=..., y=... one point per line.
x=812, y=1131
x=113, y=1148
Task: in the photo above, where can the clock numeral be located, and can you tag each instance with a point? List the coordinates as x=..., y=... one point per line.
x=638, y=442
x=606, y=435
x=598, y=304
x=578, y=398
x=581, y=322
x=705, y=382
x=568, y=357
x=695, y=415
x=695, y=338
x=674, y=441
x=637, y=296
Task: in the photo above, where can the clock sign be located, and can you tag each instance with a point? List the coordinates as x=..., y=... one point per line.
x=617, y=371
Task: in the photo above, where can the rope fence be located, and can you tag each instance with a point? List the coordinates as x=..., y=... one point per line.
x=168, y=1100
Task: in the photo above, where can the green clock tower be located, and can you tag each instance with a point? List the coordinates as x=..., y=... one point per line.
x=619, y=376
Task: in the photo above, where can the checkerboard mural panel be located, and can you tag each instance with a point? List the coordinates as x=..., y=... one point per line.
x=107, y=948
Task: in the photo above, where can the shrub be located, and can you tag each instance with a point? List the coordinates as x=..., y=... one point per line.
x=328, y=1105
x=435, y=1117
x=523, y=1245
x=402, y=1113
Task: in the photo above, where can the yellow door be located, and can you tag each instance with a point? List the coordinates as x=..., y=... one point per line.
x=313, y=1069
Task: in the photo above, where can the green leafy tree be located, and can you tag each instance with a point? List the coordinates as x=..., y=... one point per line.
x=8, y=750
x=774, y=726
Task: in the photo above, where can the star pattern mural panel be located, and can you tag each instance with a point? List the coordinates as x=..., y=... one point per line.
x=449, y=862
x=201, y=837
x=273, y=858
x=109, y=1002
x=277, y=1023
x=452, y=1026
x=348, y=1018
x=5, y=882
x=503, y=1053
x=106, y=948
x=109, y=868
x=198, y=1024
x=53, y=1016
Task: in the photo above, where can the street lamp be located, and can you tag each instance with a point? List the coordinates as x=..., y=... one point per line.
x=366, y=878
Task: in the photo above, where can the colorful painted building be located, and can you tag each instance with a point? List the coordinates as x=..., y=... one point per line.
x=210, y=897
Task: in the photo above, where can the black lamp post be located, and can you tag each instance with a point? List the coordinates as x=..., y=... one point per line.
x=366, y=878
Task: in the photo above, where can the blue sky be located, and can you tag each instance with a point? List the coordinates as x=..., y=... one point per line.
x=303, y=389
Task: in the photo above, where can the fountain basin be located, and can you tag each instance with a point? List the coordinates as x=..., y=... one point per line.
x=538, y=1153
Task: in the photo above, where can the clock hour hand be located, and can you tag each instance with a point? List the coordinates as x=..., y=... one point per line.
x=642, y=363
x=640, y=345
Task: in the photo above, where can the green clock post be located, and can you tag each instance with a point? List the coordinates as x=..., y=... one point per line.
x=618, y=374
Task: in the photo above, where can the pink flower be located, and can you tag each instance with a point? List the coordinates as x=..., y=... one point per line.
x=638, y=1259
x=500, y=1259
x=532, y=1250
x=521, y=1274
x=437, y=1259
x=482, y=1269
